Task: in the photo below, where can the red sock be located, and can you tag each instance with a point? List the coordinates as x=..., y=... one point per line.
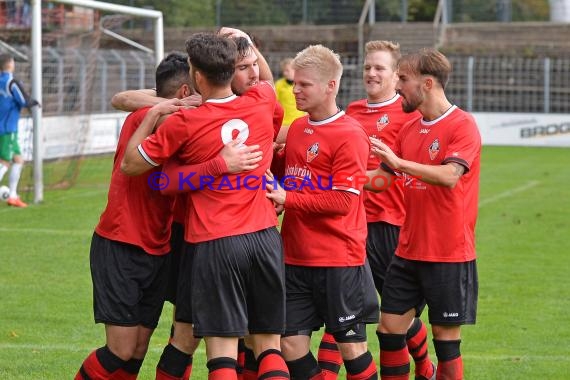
x=161, y=375
x=272, y=366
x=188, y=370
x=394, y=357
x=450, y=370
x=101, y=364
x=416, y=339
x=449, y=362
x=361, y=368
x=222, y=369
x=329, y=357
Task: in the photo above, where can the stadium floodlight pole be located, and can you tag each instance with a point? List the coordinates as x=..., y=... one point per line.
x=141, y=12
x=37, y=95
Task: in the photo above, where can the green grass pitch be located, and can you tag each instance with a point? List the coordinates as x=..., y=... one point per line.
x=522, y=331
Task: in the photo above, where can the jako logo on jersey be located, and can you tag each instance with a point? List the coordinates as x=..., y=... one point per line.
x=309, y=131
x=347, y=318
x=424, y=131
x=434, y=149
x=312, y=152
x=382, y=122
x=450, y=315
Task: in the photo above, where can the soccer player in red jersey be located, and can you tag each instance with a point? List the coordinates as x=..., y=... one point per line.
x=438, y=157
x=324, y=227
x=129, y=261
x=238, y=256
x=381, y=115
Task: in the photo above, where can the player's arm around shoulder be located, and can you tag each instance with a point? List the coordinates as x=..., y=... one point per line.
x=134, y=162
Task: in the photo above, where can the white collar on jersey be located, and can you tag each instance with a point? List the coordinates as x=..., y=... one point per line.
x=445, y=114
x=384, y=103
x=222, y=100
x=328, y=119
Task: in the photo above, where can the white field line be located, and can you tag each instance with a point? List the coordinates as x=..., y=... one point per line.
x=508, y=193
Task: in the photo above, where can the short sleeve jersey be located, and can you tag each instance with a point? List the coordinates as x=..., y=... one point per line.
x=440, y=221
x=231, y=204
x=382, y=121
x=327, y=155
x=136, y=213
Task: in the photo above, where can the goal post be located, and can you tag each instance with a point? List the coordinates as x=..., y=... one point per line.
x=36, y=68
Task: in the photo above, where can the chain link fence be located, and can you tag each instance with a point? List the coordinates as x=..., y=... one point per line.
x=84, y=81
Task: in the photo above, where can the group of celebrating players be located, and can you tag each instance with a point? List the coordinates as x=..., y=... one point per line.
x=256, y=295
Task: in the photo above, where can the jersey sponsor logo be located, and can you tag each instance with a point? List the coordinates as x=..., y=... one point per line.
x=346, y=318
x=312, y=152
x=382, y=122
x=424, y=131
x=309, y=131
x=434, y=149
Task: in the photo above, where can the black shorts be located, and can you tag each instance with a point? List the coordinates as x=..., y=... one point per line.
x=338, y=297
x=183, y=311
x=129, y=285
x=449, y=289
x=176, y=244
x=381, y=244
x=238, y=285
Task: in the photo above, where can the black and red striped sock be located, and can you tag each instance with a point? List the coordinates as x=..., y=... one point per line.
x=240, y=359
x=329, y=357
x=449, y=362
x=271, y=365
x=306, y=367
x=100, y=364
x=250, y=365
x=172, y=364
x=416, y=339
x=222, y=368
x=361, y=368
x=129, y=371
x=394, y=357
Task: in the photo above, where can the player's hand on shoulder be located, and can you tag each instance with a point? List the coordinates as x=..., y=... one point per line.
x=168, y=106
x=239, y=157
x=192, y=101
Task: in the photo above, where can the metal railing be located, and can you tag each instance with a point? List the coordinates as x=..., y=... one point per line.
x=80, y=81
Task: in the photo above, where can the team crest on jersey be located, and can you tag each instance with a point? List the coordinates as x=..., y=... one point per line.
x=434, y=149
x=382, y=122
x=312, y=152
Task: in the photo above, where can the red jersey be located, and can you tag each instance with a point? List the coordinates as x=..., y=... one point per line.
x=136, y=213
x=331, y=155
x=440, y=222
x=278, y=114
x=232, y=204
x=383, y=121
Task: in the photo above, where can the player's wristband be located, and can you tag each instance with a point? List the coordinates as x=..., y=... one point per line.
x=388, y=169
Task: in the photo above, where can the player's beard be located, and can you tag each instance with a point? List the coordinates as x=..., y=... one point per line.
x=411, y=102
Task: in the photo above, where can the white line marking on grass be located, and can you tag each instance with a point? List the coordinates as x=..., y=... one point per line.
x=508, y=193
x=46, y=231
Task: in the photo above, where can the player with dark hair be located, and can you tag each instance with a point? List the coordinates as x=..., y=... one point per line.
x=381, y=115
x=324, y=226
x=438, y=156
x=12, y=99
x=238, y=255
x=129, y=261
